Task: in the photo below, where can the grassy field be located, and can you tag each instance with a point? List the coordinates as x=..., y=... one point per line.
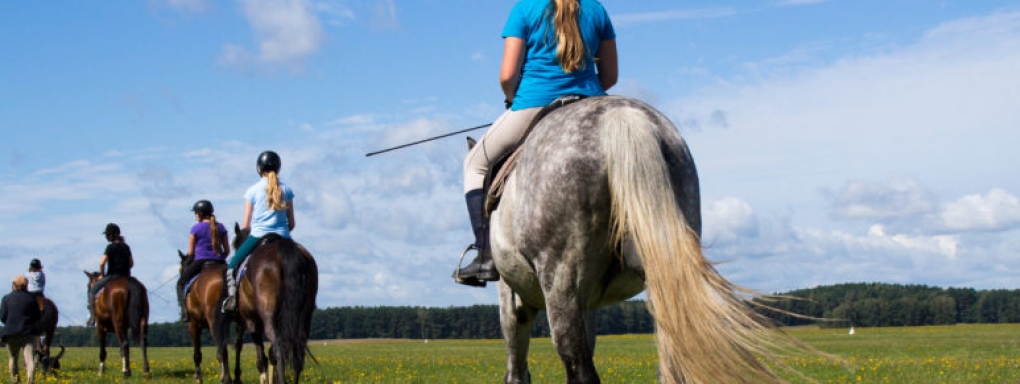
x=952, y=354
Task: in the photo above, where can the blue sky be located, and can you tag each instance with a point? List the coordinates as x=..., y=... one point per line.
x=837, y=141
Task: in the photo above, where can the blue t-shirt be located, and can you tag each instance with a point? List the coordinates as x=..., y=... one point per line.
x=263, y=220
x=203, y=241
x=542, y=78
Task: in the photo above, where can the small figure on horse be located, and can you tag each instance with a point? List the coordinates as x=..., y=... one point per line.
x=268, y=208
x=208, y=243
x=116, y=260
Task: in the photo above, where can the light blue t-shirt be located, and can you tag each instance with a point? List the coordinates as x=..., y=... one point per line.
x=542, y=78
x=263, y=220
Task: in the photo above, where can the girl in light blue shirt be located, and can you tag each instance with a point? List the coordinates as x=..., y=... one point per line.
x=268, y=208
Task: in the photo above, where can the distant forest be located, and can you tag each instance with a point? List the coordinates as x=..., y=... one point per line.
x=857, y=304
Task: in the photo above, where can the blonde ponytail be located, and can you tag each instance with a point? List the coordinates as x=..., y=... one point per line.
x=274, y=195
x=569, y=45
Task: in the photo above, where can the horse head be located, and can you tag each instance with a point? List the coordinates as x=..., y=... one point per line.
x=240, y=235
x=185, y=260
x=93, y=277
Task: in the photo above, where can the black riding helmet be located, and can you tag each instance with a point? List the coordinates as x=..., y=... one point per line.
x=268, y=161
x=35, y=263
x=203, y=208
x=112, y=230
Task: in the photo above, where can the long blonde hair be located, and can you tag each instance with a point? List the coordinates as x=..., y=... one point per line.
x=569, y=45
x=274, y=195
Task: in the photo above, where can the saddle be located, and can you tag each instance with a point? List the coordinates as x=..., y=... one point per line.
x=498, y=173
x=205, y=264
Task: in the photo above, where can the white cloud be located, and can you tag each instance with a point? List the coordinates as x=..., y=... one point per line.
x=286, y=32
x=729, y=219
x=996, y=210
x=873, y=201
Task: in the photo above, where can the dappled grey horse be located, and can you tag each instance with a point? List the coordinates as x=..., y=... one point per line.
x=604, y=202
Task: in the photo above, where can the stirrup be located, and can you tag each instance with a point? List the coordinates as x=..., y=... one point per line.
x=472, y=281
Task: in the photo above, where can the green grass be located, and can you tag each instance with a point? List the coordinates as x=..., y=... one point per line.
x=950, y=354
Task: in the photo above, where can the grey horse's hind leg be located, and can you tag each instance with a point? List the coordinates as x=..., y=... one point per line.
x=516, y=320
x=567, y=322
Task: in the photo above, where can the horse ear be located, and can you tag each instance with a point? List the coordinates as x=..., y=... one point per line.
x=471, y=143
x=237, y=227
x=181, y=254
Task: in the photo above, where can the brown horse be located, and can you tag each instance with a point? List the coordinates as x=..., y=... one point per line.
x=122, y=306
x=47, y=325
x=275, y=300
x=203, y=306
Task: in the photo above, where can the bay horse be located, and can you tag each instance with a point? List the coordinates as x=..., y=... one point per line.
x=202, y=302
x=603, y=204
x=275, y=301
x=121, y=306
x=47, y=326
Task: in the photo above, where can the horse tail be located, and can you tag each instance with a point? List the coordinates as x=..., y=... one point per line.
x=138, y=308
x=705, y=331
x=297, y=272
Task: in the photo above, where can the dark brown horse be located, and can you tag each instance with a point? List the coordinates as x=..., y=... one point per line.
x=203, y=306
x=122, y=306
x=47, y=325
x=275, y=300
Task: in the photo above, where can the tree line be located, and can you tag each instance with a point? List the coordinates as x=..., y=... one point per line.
x=856, y=304
x=890, y=305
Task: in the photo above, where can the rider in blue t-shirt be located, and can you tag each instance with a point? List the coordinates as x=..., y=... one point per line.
x=268, y=208
x=551, y=48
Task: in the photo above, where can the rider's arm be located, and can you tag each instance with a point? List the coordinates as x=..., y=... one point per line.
x=102, y=265
x=247, y=215
x=191, y=245
x=510, y=70
x=290, y=215
x=607, y=65
x=224, y=244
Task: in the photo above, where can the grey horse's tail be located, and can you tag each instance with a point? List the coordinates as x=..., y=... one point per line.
x=705, y=331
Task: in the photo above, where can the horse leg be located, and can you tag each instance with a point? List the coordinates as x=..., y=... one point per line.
x=102, y=349
x=260, y=356
x=125, y=351
x=238, y=343
x=143, y=330
x=516, y=322
x=570, y=334
x=196, y=343
x=219, y=338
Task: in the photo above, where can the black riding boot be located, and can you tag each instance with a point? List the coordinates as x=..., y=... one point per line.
x=180, y=300
x=482, y=268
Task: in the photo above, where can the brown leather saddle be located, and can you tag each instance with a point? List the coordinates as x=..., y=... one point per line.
x=495, y=180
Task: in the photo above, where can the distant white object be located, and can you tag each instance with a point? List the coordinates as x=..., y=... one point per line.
x=851, y=330
x=426, y=341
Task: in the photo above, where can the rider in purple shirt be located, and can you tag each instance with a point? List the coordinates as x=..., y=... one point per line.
x=208, y=244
